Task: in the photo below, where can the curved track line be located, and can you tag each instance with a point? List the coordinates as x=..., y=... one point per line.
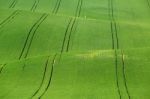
x=72, y=26
x=115, y=43
x=9, y=18
x=33, y=5
x=65, y=36
x=1, y=69
x=78, y=9
x=44, y=74
x=114, y=32
x=117, y=79
x=36, y=5
x=49, y=81
x=34, y=35
x=29, y=33
x=124, y=75
x=51, y=75
x=77, y=14
x=57, y=6
x=148, y=2
x=36, y=2
x=13, y=4
x=34, y=27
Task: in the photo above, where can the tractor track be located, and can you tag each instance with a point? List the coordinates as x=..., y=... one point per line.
x=44, y=74
x=117, y=77
x=148, y=2
x=69, y=39
x=70, y=27
x=1, y=69
x=36, y=5
x=124, y=75
x=13, y=4
x=33, y=5
x=36, y=2
x=51, y=75
x=8, y=18
x=115, y=42
x=34, y=35
x=114, y=32
x=78, y=9
x=30, y=34
x=65, y=36
x=57, y=6
x=77, y=14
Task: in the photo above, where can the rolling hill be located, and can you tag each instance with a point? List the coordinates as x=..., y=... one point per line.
x=74, y=49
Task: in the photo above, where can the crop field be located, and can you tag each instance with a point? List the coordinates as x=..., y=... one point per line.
x=74, y=49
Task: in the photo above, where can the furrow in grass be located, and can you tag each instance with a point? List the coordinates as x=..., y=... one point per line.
x=2, y=67
x=78, y=9
x=36, y=2
x=81, y=3
x=8, y=18
x=36, y=5
x=72, y=26
x=12, y=3
x=77, y=14
x=45, y=81
x=124, y=75
x=148, y=2
x=113, y=46
x=45, y=16
x=65, y=36
x=114, y=32
x=31, y=35
x=51, y=75
x=44, y=74
x=116, y=35
x=57, y=6
x=33, y=5
x=115, y=42
x=117, y=75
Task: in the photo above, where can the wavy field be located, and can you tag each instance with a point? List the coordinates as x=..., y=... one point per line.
x=74, y=49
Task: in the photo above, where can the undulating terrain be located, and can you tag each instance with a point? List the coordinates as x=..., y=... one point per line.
x=74, y=49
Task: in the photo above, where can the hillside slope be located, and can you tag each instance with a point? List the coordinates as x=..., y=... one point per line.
x=74, y=49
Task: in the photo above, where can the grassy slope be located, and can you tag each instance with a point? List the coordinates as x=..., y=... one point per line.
x=88, y=67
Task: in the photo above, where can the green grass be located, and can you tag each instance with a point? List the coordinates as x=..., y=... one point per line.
x=74, y=49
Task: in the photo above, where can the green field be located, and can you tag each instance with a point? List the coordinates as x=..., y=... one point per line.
x=74, y=49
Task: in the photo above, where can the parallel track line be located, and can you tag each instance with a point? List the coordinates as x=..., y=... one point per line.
x=50, y=79
x=33, y=29
x=34, y=35
x=9, y=17
x=117, y=79
x=44, y=74
x=124, y=75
